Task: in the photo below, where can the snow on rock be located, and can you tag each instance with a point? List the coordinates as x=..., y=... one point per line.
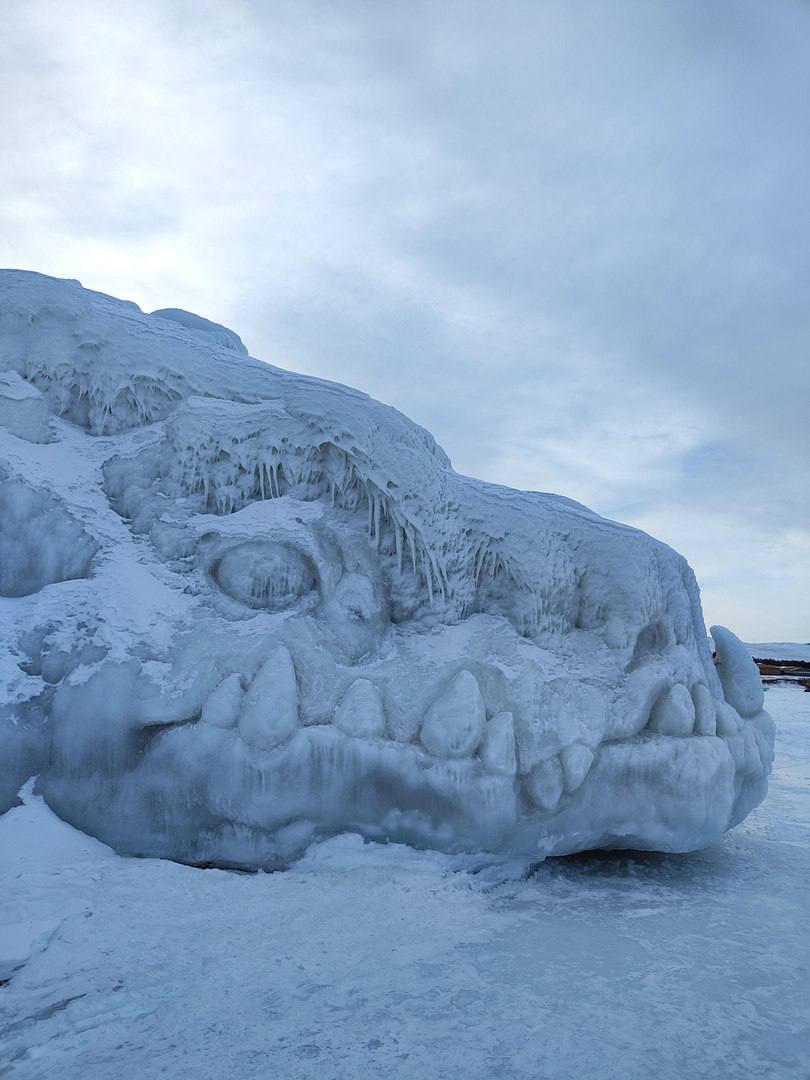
x=243, y=607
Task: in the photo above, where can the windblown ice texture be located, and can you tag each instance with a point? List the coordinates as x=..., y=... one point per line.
x=243, y=608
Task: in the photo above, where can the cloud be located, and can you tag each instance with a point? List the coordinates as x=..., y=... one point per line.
x=572, y=240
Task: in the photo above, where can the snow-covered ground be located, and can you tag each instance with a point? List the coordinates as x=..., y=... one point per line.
x=780, y=650
x=379, y=961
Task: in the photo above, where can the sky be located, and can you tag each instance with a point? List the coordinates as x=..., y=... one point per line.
x=571, y=239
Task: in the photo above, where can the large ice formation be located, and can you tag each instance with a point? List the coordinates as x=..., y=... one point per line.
x=242, y=608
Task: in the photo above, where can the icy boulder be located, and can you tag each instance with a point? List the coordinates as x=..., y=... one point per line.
x=243, y=608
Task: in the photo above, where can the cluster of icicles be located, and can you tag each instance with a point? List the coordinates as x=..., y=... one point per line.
x=228, y=479
x=79, y=399
x=230, y=474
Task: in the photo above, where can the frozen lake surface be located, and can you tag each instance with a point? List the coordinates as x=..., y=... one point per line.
x=380, y=961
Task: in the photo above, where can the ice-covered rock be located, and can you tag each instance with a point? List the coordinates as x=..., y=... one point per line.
x=244, y=607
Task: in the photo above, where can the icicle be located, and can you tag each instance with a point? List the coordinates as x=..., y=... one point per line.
x=426, y=572
x=445, y=583
x=411, y=544
x=478, y=564
x=377, y=513
x=398, y=545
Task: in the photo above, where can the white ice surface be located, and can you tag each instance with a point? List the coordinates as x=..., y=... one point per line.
x=780, y=650
x=366, y=962
x=221, y=334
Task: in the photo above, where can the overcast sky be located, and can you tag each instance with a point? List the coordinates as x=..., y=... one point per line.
x=570, y=238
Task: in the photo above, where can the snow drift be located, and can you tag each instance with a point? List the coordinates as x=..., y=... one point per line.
x=244, y=608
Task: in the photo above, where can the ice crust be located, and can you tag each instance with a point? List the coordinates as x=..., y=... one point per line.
x=244, y=608
x=196, y=323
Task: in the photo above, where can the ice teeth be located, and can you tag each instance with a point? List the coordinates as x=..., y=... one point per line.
x=728, y=721
x=705, y=721
x=762, y=727
x=361, y=711
x=454, y=723
x=270, y=712
x=731, y=729
x=736, y=745
x=673, y=713
x=753, y=759
x=545, y=783
x=222, y=707
x=641, y=689
x=576, y=763
x=742, y=684
x=498, y=748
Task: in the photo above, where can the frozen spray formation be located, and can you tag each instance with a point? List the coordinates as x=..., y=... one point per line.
x=243, y=608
